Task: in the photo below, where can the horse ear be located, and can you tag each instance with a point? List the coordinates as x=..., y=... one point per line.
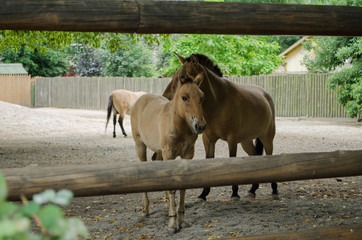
x=171, y=88
x=194, y=59
x=182, y=80
x=182, y=59
x=199, y=78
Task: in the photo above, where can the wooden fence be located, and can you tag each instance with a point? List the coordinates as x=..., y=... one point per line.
x=299, y=95
x=126, y=177
x=89, y=92
x=16, y=89
x=294, y=95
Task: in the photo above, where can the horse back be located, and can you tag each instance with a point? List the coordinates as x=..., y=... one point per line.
x=123, y=100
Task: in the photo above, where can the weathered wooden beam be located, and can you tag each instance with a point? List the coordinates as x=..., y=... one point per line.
x=92, y=180
x=329, y=233
x=151, y=16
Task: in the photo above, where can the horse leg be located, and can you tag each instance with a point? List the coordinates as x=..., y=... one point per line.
x=232, y=153
x=181, y=207
x=250, y=149
x=181, y=211
x=157, y=156
x=114, y=124
x=120, y=121
x=167, y=154
x=268, y=146
x=171, y=212
x=141, y=150
x=209, y=146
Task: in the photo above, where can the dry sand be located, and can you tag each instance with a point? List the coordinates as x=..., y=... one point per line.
x=56, y=137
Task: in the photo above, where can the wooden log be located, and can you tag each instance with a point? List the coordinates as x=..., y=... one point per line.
x=329, y=233
x=151, y=16
x=92, y=180
x=70, y=15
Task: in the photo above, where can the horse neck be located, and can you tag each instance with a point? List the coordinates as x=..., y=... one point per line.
x=211, y=86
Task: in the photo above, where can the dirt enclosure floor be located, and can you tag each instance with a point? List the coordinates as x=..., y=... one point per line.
x=58, y=137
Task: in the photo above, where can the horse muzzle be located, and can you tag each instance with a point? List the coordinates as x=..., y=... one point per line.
x=196, y=126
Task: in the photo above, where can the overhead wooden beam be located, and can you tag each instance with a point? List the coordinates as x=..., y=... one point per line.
x=151, y=16
x=92, y=180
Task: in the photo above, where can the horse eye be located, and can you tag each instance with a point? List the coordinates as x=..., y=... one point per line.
x=184, y=98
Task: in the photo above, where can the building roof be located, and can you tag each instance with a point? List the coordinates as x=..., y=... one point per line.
x=12, y=68
x=296, y=44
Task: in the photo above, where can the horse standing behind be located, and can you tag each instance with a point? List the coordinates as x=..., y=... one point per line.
x=121, y=102
x=170, y=129
x=234, y=113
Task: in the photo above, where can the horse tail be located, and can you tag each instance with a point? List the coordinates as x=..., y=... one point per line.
x=259, y=147
x=109, y=110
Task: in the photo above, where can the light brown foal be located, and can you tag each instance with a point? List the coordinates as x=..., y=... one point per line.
x=170, y=129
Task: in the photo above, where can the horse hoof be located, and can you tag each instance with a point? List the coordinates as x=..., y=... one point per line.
x=235, y=198
x=144, y=215
x=184, y=225
x=172, y=231
x=250, y=195
x=200, y=200
x=275, y=197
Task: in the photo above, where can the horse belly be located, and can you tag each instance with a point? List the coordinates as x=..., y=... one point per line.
x=243, y=125
x=151, y=141
x=149, y=122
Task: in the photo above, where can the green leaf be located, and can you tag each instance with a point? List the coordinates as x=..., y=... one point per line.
x=9, y=228
x=53, y=219
x=31, y=209
x=7, y=209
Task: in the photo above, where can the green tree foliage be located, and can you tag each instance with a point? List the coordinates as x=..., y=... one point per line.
x=135, y=62
x=344, y=56
x=235, y=55
x=43, y=40
x=49, y=64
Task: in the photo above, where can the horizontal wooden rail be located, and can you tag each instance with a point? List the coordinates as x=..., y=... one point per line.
x=329, y=233
x=151, y=16
x=133, y=177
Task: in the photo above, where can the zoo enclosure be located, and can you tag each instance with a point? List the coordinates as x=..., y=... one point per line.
x=294, y=95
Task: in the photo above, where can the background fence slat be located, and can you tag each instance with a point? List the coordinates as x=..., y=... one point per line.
x=16, y=89
x=294, y=95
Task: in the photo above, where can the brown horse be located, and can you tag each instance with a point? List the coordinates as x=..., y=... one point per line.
x=234, y=113
x=121, y=102
x=170, y=129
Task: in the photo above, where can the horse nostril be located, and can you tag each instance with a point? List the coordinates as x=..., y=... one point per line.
x=200, y=128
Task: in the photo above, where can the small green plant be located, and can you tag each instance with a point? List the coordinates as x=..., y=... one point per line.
x=39, y=219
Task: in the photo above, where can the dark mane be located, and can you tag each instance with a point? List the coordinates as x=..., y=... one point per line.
x=207, y=62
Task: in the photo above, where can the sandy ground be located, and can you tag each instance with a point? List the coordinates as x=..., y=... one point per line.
x=55, y=137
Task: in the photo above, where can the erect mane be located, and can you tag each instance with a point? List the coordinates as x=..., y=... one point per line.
x=206, y=62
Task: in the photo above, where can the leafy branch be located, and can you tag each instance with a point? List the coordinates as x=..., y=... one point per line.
x=49, y=222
